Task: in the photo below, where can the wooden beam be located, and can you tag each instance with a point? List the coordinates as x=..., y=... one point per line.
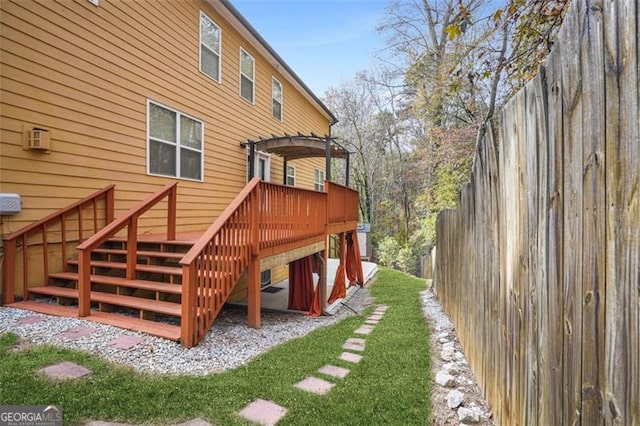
x=280, y=259
x=253, y=293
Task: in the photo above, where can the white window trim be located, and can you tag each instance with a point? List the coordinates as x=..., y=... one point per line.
x=253, y=80
x=292, y=176
x=256, y=162
x=177, y=144
x=317, y=184
x=281, y=100
x=219, y=80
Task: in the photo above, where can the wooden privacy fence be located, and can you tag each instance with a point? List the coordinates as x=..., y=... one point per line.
x=538, y=265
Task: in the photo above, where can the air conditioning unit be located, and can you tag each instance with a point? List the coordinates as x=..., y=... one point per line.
x=39, y=139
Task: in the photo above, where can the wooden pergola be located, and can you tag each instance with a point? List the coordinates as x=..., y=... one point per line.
x=293, y=147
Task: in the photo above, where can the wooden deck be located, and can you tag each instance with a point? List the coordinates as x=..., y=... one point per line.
x=186, y=277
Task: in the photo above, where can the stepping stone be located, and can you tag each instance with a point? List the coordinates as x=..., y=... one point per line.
x=264, y=412
x=125, y=342
x=371, y=322
x=31, y=320
x=315, y=385
x=375, y=317
x=354, y=344
x=334, y=371
x=101, y=423
x=65, y=370
x=382, y=308
x=365, y=329
x=77, y=332
x=349, y=357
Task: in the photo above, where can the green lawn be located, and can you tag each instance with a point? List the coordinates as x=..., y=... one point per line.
x=391, y=386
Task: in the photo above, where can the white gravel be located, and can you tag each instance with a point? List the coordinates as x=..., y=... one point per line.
x=230, y=343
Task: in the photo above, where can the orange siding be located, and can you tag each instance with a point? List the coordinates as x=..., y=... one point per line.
x=85, y=73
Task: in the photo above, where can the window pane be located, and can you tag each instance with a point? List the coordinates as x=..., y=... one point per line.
x=190, y=164
x=277, y=110
x=190, y=133
x=209, y=34
x=162, y=158
x=246, y=88
x=209, y=63
x=246, y=64
x=162, y=123
x=276, y=91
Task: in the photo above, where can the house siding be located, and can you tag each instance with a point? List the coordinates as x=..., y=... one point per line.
x=85, y=73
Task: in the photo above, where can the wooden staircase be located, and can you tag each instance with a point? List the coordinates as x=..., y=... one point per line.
x=150, y=302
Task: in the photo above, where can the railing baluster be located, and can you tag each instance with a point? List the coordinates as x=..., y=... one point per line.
x=63, y=241
x=45, y=251
x=25, y=267
x=95, y=216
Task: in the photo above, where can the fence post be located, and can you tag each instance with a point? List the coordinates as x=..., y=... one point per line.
x=9, y=271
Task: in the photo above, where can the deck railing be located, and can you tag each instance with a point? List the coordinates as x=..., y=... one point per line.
x=214, y=264
x=342, y=204
x=73, y=223
x=130, y=221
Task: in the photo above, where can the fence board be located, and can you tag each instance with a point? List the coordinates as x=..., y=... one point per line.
x=538, y=266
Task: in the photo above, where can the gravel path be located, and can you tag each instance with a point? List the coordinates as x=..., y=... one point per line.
x=230, y=342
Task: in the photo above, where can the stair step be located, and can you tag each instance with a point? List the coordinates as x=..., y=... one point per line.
x=150, y=305
x=123, y=282
x=150, y=240
x=154, y=328
x=160, y=254
x=46, y=308
x=166, y=331
x=160, y=269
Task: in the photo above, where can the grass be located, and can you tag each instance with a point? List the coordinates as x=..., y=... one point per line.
x=391, y=385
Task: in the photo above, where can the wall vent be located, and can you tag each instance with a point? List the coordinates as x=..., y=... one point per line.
x=39, y=140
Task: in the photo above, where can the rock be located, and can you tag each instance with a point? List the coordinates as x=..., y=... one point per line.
x=445, y=379
x=458, y=355
x=447, y=354
x=448, y=345
x=454, y=398
x=451, y=368
x=443, y=340
x=443, y=335
x=468, y=415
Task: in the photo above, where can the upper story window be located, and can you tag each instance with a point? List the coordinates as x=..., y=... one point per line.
x=276, y=99
x=319, y=180
x=291, y=176
x=175, y=143
x=247, y=69
x=210, y=40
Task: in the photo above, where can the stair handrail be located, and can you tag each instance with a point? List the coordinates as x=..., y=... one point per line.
x=191, y=331
x=10, y=240
x=129, y=220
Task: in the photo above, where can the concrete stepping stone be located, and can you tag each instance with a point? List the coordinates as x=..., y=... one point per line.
x=195, y=422
x=101, y=423
x=77, y=332
x=263, y=412
x=382, y=308
x=371, y=322
x=125, y=342
x=351, y=357
x=354, y=344
x=334, y=371
x=365, y=329
x=31, y=320
x=315, y=385
x=375, y=317
x=65, y=370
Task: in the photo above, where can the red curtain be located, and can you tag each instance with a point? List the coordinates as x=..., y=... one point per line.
x=339, y=290
x=354, y=261
x=301, y=284
x=316, y=306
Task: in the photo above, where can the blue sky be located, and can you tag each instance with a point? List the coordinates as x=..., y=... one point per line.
x=323, y=41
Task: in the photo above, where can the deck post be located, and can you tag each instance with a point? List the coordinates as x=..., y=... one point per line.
x=253, y=270
x=9, y=270
x=187, y=321
x=84, y=283
x=322, y=281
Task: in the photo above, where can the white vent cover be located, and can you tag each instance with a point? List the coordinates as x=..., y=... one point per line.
x=10, y=204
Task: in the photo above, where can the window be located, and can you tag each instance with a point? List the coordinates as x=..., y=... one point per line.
x=319, y=180
x=291, y=176
x=174, y=143
x=209, y=47
x=246, y=75
x=276, y=99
